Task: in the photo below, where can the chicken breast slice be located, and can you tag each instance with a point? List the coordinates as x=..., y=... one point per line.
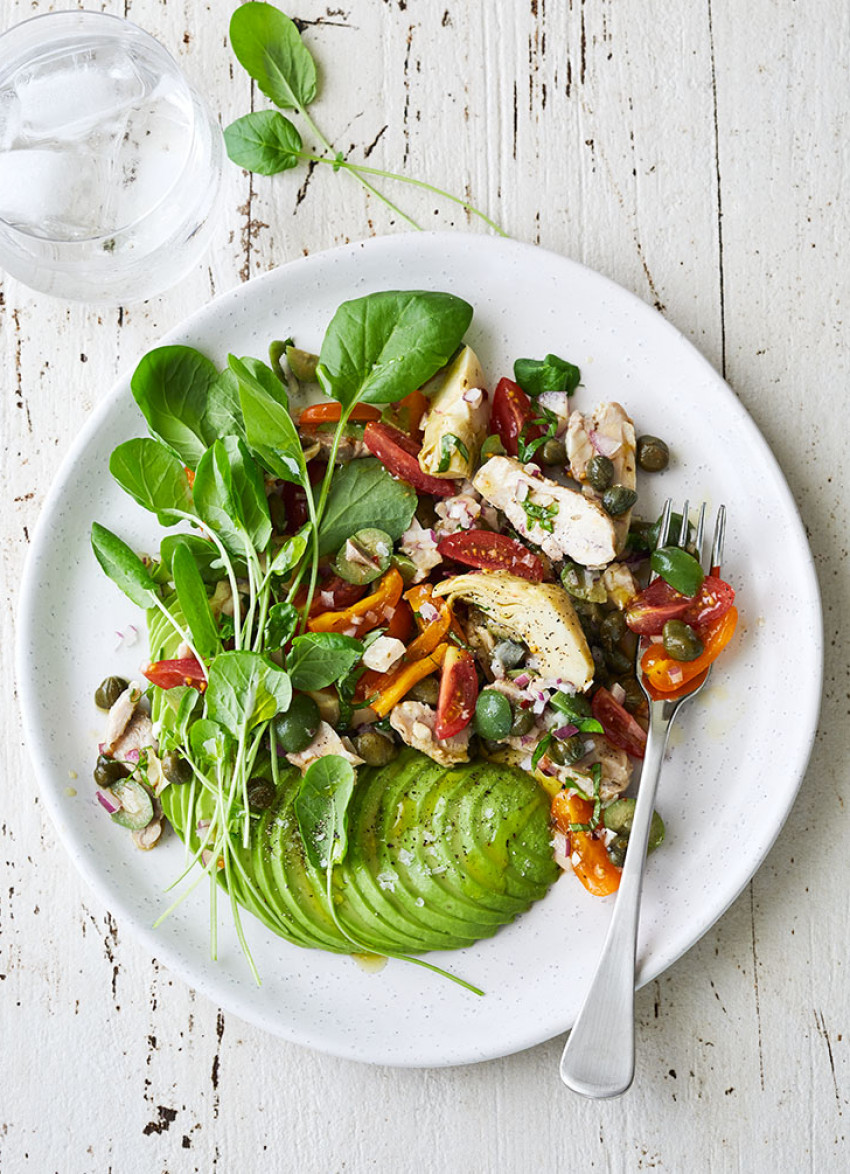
x=563, y=522
x=414, y=722
x=608, y=431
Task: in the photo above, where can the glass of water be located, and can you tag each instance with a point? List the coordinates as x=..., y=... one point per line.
x=110, y=164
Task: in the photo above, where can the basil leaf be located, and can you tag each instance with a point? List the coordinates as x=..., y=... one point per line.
x=318, y=659
x=590, y=726
x=171, y=385
x=321, y=808
x=264, y=142
x=153, y=477
x=540, y=749
x=550, y=374
x=271, y=432
x=573, y=706
x=245, y=689
x=268, y=46
x=123, y=566
x=281, y=624
x=207, y=558
x=379, y=348
x=363, y=494
x=194, y=603
x=678, y=568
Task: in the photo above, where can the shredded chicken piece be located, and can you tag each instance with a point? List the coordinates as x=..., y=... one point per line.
x=414, y=722
x=326, y=741
x=607, y=430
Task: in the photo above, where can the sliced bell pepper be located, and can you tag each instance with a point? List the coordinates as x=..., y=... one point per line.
x=400, y=626
x=330, y=414
x=367, y=613
x=588, y=855
x=668, y=675
x=430, y=635
x=400, y=681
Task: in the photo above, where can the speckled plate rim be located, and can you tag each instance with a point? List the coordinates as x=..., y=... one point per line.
x=663, y=954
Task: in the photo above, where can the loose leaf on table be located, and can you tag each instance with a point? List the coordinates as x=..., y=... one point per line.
x=321, y=808
x=264, y=142
x=271, y=432
x=381, y=347
x=550, y=374
x=203, y=551
x=223, y=416
x=171, y=385
x=281, y=624
x=318, y=659
x=245, y=689
x=123, y=566
x=153, y=477
x=194, y=602
x=268, y=46
x=363, y=494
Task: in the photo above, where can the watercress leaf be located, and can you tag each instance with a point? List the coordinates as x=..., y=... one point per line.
x=153, y=477
x=264, y=142
x=209, y=743
x=318, y=659
x=268, y=46
x=363, y=494
x=271, y=432
x=550, y=374
x=223, y=416
x=171, y=385
x=281, y=624
x=205, y=554
x=680, y=569
x=123, y=566
x=215, y=500
x=250, y=492
x=321, y=808
x=379, y=348
x=262, y=375
x=291, y=553
x=245, y=689
x=194, y=603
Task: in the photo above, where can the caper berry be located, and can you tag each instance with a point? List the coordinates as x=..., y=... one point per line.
x=619, y=817
x=612, y=629
x=554, y=452
x=616, y=661
x=365, y=556
x=108, y=771
x=260, y=793
x=599, y=472
x=618, y=500
x=617, y=851
x=522, y=723
x=634, y=697
x=427, y=691
x=493, y=716
x=572, y=749
x=681, y=641
x=555, y=752
x=297, y=728
x=108, y=692
x=653, y=455
x=374, y=748
x=175, y=768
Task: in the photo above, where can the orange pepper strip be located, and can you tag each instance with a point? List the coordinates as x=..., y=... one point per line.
x=416, y=406
x=667, y=675
x=401, y=680
x=400, y=626
x=331, y=413
x=367, y=613
x=429, y=637
x=588, y=855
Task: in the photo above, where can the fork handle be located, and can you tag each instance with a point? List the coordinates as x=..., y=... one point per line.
x=599, y=1059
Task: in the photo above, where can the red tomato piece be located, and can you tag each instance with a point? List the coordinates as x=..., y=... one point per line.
x=332, y=593
x=492, y=552
x=168, y=674
x=399, y=453
x=710, y=603
x=620, y=727
x=295, y=500
x=511, y=415
x=458, y=692
x=649, y=611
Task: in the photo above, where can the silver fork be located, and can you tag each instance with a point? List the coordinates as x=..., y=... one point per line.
x=599, y=1059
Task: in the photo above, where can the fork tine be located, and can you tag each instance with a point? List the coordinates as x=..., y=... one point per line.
x=663, y=531
x=717, y=544
x=686, y=522
x=700, y=532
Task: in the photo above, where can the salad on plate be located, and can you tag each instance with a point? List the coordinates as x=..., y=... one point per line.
x=391, y=691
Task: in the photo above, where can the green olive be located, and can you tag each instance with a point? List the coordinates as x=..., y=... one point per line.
x=375, y=749
x=365, y=556
x=427, y=691
x=634, y=697
x=108, y=692
x=302, y=364
x=681, y=641
x=554, y=452
x=599, y=472
x=522, y=723
x=509, y=653
x=108, y=771
x=176, y=769
x=653, y=455
x=493, y=715
x=297, y=728
x=619, y=817
x=405, y=566
x=617, y=850
x=260, y=793
x=612, y=629
x=618, y=500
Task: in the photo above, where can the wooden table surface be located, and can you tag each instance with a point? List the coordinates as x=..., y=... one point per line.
x=696, y=153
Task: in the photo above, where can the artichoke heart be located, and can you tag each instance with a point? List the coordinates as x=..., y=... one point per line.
x=538, y=614
x=457, y=419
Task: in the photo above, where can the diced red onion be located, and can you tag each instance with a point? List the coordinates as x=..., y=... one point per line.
x=618, y=692
x=604, y=445
x=522, y=680
x=110, y=804
x=566, y=731
x=202, y=825
x=132, y=756
x=561, y=849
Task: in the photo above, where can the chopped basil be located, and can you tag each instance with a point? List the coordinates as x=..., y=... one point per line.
x=550, y=374
x=447, y=444
x=678, y=568
x=541, y=515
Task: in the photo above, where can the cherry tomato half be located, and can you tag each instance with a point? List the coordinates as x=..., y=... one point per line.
x=588, y=855
x=330, y=413
x=620, y=727
x=511, y=414
x=668, y=675
x=398, y=453
x=649, y=611
x=458, y=692
x=168, y=674
x=492, y=552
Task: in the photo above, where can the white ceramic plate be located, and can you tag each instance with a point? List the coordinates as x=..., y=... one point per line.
x=737, y=758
